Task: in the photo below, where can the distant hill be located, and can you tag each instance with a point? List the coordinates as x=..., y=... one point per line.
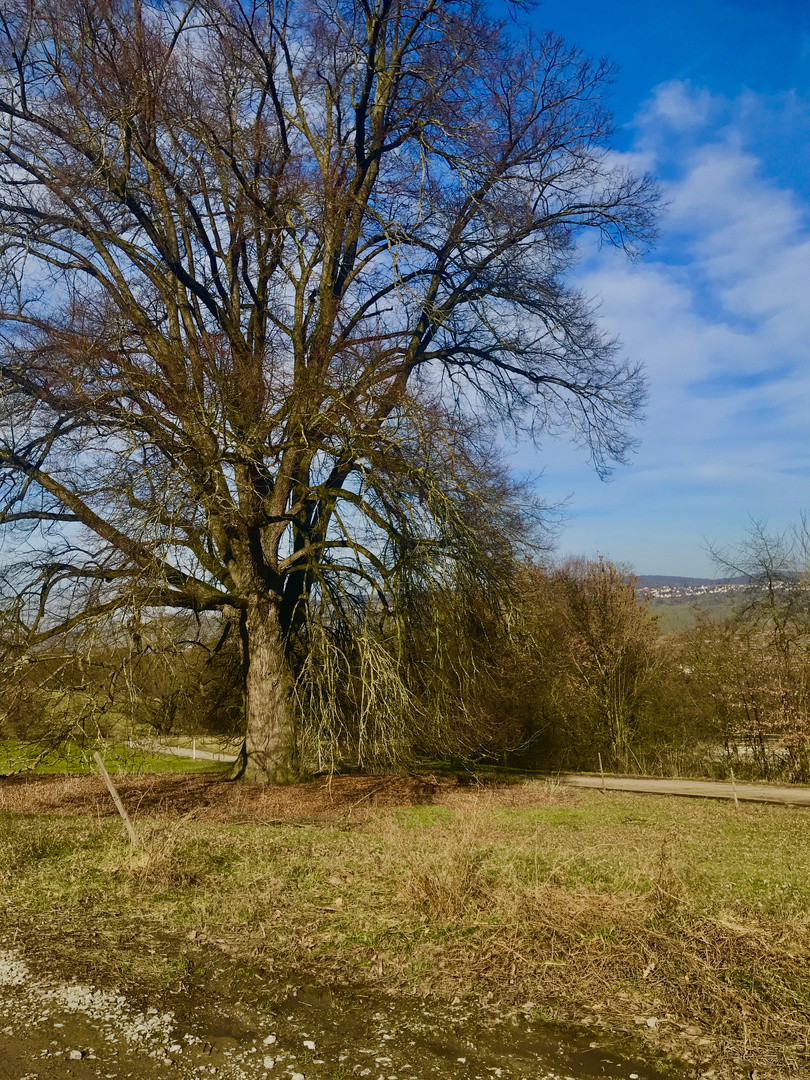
x=662, y=581
x=678, y=602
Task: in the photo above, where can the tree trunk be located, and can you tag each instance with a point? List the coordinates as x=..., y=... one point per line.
x=270, y=753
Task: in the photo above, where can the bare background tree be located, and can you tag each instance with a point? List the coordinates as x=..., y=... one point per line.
x=595, y=659
x=270, y=274
x=752, y=669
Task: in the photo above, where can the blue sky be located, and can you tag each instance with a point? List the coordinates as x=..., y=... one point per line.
x=713, y=98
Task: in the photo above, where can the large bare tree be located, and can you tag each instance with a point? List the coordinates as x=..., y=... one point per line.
x=263, y=264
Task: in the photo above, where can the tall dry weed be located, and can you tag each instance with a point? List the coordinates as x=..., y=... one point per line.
x=448, y=887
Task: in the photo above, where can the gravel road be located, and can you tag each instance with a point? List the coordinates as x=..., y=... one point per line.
x=701, y=789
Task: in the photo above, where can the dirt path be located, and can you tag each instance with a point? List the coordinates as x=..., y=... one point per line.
x=220, y=1024
x=696, y=789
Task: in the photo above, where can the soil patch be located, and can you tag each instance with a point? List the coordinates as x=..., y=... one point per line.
x=242, y=1025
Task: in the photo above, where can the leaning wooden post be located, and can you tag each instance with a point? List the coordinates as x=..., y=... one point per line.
x=601, y=772
x=133, y=836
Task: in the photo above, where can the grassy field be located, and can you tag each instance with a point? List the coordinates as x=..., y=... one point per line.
x=687, y=921
x=77, y=760
x=680, y=613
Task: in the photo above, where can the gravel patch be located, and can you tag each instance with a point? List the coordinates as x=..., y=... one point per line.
x=52, y=1029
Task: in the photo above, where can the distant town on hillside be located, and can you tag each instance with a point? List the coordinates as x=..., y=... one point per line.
x=663, y=587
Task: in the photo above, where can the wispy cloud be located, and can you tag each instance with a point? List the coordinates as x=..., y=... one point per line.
x=679, y=106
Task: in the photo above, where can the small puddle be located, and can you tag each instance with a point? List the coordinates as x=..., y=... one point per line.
x=448, y=1041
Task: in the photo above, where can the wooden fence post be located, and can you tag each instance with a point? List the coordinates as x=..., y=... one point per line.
x=133, y=836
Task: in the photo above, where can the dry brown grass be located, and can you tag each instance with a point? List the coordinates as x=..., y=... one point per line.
x=727, y=986
x=211, y=798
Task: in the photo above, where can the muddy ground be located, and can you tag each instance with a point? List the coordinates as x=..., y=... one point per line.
x=237, y=1026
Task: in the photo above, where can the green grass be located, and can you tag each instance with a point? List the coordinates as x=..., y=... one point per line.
x=753, y=859
x=204, y=742
x=77, y=760
x=629, y=904
x=681, y=613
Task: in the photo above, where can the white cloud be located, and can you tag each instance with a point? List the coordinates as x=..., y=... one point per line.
x=679, y=106
x=722, y=319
